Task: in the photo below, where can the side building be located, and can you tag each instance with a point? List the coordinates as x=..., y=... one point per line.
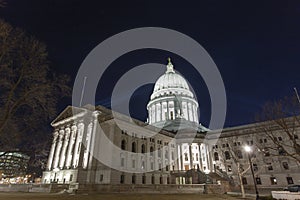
x=272, y=167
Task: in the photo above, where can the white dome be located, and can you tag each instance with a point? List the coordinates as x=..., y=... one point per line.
x=171, y=99
x=170, y=80
x=171, y=83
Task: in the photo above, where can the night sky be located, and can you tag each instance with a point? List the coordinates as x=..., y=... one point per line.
x=255, y=44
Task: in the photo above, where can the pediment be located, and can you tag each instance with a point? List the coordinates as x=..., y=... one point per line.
x=68, y=113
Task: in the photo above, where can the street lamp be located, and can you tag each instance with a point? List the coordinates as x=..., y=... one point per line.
x=248, y=150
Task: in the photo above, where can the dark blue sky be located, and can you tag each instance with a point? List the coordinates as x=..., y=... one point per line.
x=255, y=44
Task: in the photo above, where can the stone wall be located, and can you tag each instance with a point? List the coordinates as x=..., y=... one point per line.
x=88, y=188
x=25, y=188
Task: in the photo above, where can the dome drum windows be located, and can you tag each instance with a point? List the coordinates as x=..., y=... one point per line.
x=123, y=144
x=133, y=147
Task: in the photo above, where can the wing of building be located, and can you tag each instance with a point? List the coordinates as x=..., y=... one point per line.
x=94, y=145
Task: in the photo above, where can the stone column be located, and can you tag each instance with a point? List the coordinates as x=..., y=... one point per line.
x=87, y=145
x=53, y=146
x=168, y=114
x=209, y=161
x=191, y=156
x=58, y=148
x=78, y=144
x=195, y=113
x=200, y=157
x=71, y=146
x=149, y=115
x=181, y=157
x=64, y=148
x=93, y=140
x=177, y=151
x=153, y=113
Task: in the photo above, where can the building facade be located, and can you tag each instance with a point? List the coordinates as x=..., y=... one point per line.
x=94, y=145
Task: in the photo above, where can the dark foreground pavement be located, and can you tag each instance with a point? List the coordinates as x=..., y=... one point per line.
x=39, y=196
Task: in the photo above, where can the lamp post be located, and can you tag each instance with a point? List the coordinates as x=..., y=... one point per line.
x=248, y=150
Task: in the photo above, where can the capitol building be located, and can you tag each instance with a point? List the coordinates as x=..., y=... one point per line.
x=96, y=146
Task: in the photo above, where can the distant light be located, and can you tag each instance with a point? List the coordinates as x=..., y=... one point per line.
x=247, y=148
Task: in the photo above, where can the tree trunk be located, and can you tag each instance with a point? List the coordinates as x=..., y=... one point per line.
x=241, y=181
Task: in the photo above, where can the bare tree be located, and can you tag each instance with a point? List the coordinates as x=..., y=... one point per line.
x=236, y=155
x=29, y=91
x=280, y=123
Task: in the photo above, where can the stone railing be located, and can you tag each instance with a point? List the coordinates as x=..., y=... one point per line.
x=286, y=195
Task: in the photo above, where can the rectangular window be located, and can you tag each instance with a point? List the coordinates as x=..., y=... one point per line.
x=122, y=162
x=244, y=180
x=229, y=169
x=144, y=179
x=255, y=168
x=186, y=157
x=285, y=165
x=267, y=153
x=270, y=167
x=71, y=177
x=133, y=179
x=289, y=180
x=101, y=177
x=122, y=179
x=281, y=151
x=258, y=181
x=273, y=181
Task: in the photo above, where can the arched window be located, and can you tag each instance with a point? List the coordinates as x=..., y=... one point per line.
x=227, y=155
x=216, y=156
x=151, y=150
x=239, y=154
x=133, y=147
x=143, y=148
x=123, y=145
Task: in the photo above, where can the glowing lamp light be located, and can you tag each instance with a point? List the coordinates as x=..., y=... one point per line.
x=247, y=149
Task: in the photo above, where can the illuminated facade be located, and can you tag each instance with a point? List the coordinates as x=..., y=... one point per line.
x=13, y=164
x=168, y=149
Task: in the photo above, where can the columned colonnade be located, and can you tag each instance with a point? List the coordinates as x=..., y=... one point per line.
x=167, y=110
x=65, y=147
x=199, y=156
